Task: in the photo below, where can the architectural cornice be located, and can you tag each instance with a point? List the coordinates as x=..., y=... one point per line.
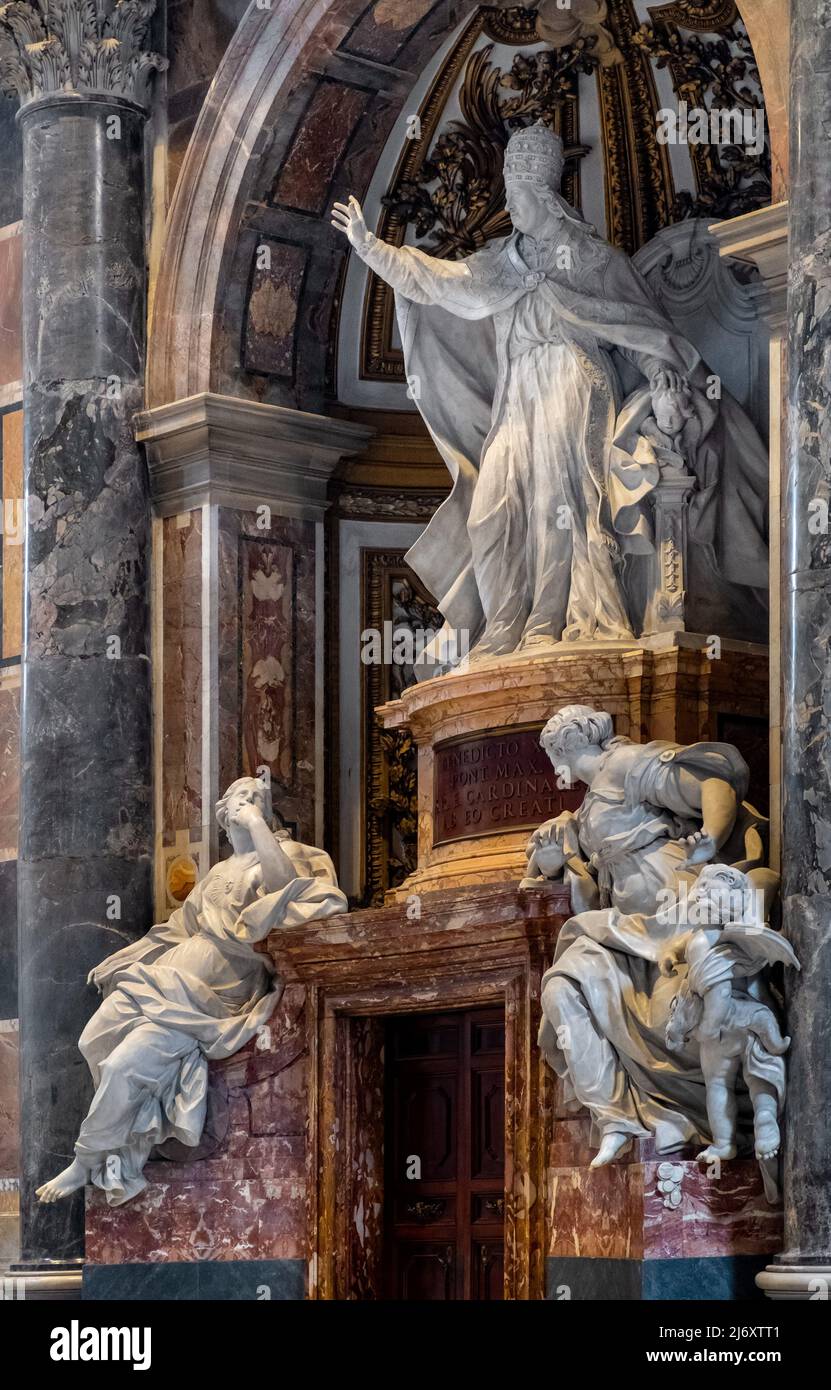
x=77, y=48
x=760, y=238
x=237, y=453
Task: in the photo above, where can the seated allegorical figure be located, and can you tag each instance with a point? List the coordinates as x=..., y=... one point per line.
x=724, y=1004
x=651, y=812
x=193, y=988
x=652, y=815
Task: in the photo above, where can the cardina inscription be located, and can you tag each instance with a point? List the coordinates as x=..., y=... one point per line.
x=493, y=782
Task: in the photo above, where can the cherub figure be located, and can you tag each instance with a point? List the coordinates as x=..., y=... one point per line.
x=672, y=430
x=193, y=988
x=724, y=1005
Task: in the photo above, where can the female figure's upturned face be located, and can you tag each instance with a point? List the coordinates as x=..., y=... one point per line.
x=244, y=796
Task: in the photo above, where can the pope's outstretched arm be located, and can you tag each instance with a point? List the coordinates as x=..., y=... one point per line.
x=412, y=273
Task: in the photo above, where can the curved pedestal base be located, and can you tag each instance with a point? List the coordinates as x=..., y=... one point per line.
x=484, y=784
x=802, y=1283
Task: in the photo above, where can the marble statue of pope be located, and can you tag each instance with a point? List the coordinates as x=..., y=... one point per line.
x=517, y=358
x=193, y=988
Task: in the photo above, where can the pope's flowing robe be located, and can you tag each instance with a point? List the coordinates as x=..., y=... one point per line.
x=192, y=989
x=522, y=351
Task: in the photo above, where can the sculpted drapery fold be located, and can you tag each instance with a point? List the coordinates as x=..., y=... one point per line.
x=546, y=372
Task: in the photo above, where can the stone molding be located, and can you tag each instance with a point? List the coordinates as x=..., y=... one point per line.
x=760, y=238
x=73, y=47
x=795, y=1282
x=237, y=453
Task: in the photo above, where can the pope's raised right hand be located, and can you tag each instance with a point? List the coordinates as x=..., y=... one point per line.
x=349, y=219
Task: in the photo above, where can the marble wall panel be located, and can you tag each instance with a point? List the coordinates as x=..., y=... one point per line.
x=13, y=531
x=246, y=1200
x=384, y=28
x=9, y=1221
x=9, y=1127
x=182, y=674
x=198, y=32
x=9, y=1139
x=11, y=165
x=245, y=1220
x=9, y=760
x=273, y=306
x=8, y=939
x=597, y=1213
x=11, y=272
x=724, y=1215
x=279, y=1104
x=660, y=1208
x=267, y=658
x=320, y=141
x=268, y=638
x=209, y=1281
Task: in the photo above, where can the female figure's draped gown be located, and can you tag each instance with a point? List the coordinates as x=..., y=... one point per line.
x=193, y=988
x=605, y=1002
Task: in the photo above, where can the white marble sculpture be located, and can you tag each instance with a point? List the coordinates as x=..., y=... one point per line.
x=193, y=988
x=724, y=1005
x=652, y=815
x=518, y=358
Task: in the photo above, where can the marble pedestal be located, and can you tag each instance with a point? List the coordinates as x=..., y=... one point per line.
x=227, y=1220
x=652, y=1226
x=483, y=785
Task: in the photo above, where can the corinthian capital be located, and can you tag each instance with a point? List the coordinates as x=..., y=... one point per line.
x=77, y=46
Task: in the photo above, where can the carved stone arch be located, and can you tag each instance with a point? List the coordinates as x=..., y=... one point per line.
x=259, y=62
x=271, y=51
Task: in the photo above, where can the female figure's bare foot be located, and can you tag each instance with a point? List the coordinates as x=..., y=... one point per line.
x=716, y=1151
x=69, y=1180
x=612, y=1145
x=767, y=1138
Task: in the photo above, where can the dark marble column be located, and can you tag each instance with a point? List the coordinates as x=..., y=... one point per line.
x=84, y=884
x=804, y=1268
x=85, y=830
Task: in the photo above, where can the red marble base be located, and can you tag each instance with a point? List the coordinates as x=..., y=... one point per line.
x=245, y=1199
x=650, y=1206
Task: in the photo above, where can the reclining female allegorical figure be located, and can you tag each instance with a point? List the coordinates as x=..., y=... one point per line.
x=192, y=989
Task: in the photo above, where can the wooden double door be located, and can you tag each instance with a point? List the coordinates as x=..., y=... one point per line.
x=445, y=1156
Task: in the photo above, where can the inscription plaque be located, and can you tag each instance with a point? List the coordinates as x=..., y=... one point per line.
x=486, y=783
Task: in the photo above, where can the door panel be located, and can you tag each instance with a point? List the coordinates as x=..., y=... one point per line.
x=488, y=1124
x=428, y=1272
x=428, y=1120
x=445, y=1156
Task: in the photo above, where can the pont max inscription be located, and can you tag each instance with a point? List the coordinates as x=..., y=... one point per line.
x=493, y=782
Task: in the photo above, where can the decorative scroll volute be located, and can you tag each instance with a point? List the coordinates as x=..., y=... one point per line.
x=77, y=46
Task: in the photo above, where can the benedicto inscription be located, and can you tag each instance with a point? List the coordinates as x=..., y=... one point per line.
x=492, y=782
